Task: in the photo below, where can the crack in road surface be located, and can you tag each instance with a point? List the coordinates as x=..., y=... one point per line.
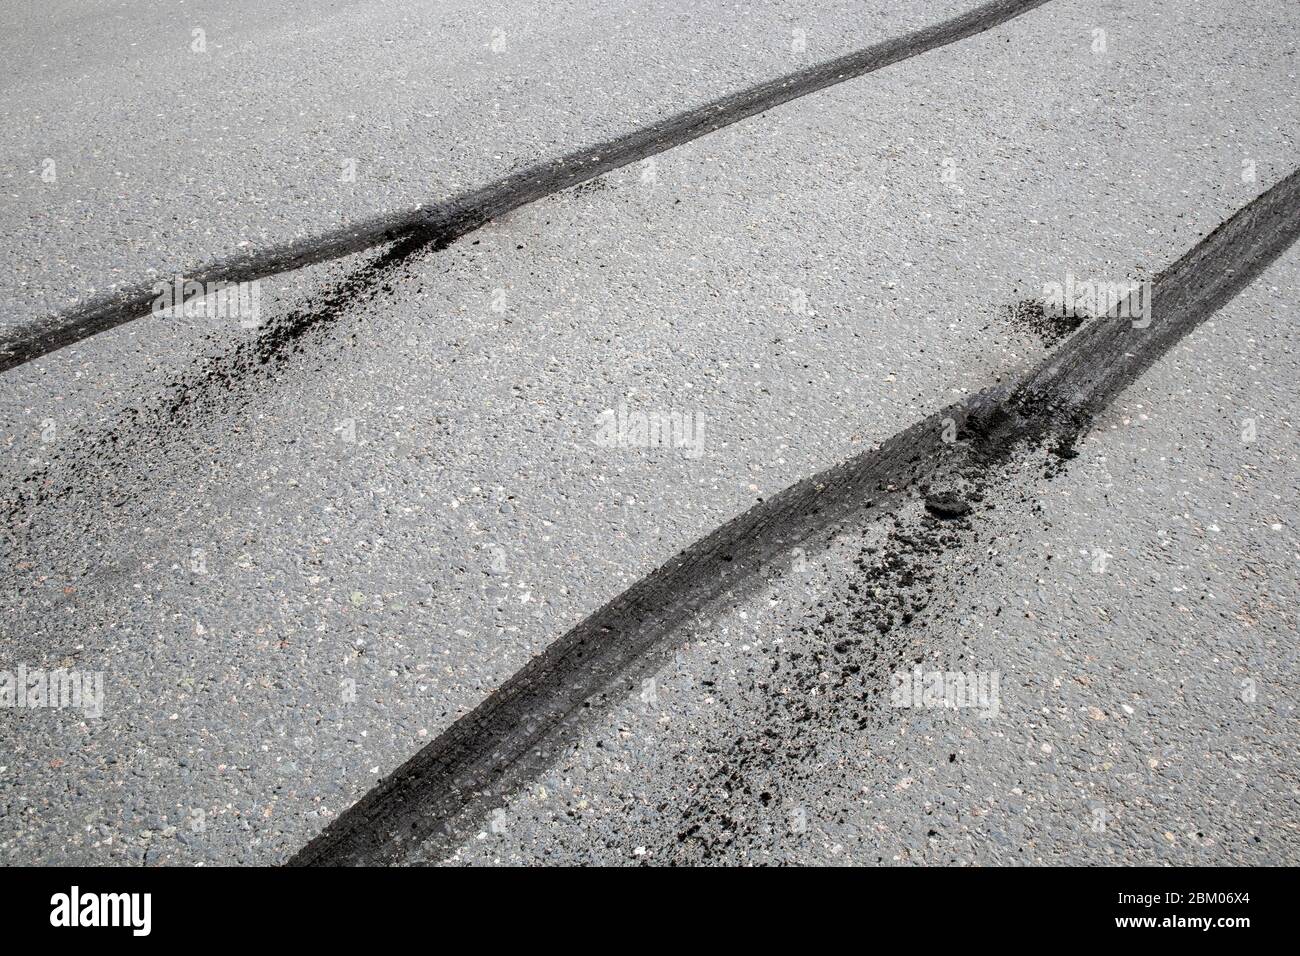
x=521, y=728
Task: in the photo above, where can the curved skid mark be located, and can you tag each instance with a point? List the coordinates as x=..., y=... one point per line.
x=449, y=220
x=521, y=728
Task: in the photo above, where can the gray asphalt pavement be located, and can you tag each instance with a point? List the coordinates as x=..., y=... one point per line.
x=156, y=137
x=298, y=552
x=1136, y=608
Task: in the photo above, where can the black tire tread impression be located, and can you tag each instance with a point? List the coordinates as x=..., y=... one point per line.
x=462, y=214
x=520, y=729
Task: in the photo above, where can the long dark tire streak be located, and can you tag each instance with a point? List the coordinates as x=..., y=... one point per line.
x=521, y=729
x=446, y=221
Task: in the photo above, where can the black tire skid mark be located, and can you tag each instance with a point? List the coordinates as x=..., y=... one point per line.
x=523, y=727
x=101, y=467
x=469, y=211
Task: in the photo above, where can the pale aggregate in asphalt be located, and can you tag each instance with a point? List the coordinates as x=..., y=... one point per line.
x=1146, y=700
x=473, y=518
x=294, y=120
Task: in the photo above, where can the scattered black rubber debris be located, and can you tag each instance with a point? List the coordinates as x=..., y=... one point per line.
x=834, y=673
x=212, y=383
x=947, y=505
x=449, y=220
x=520, y=730
x=1030, y=315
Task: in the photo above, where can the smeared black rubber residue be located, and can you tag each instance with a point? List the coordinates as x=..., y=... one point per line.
x=520, y=730
x=947, y=505
x=99, y=467
x=465, y=213
x=1030, y=315
x=823, y=692
x=827, y=696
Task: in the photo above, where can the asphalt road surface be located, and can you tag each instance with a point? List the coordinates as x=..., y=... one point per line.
x=621, y=527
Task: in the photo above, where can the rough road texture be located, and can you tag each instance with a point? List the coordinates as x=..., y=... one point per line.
x=454, y=218
x=299, y=552
x=517, y=732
